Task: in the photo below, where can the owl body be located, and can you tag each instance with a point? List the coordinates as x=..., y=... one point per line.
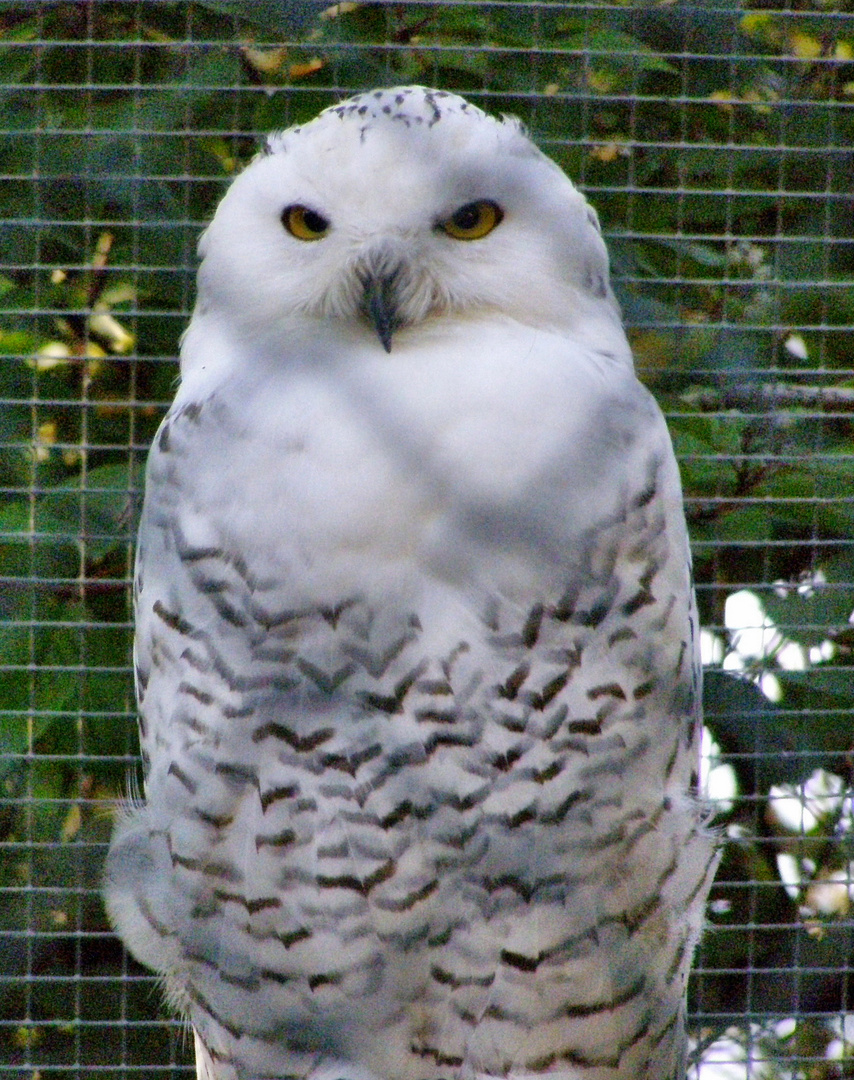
x=416, y=647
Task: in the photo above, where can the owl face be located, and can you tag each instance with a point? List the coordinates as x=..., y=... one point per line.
x=397, y=208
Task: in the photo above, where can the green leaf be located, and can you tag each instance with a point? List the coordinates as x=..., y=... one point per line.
x=807, y=613
x=752, y=733
x=292, y=17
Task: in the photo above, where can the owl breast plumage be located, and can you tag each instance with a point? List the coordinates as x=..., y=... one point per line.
x=416, y=649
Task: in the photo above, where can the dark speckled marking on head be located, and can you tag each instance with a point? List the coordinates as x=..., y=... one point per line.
x=412, y=107
x=382, y=103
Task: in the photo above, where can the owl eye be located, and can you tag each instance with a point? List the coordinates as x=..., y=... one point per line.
x=304, y=224
x=474, y=220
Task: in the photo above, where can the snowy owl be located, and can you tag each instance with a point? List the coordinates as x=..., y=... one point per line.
x=416, y=646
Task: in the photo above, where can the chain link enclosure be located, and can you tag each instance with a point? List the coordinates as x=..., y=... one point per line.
x=715, y=140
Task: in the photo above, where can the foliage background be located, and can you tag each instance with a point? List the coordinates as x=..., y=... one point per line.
x=715, y=140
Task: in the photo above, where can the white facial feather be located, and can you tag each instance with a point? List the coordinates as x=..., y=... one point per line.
x=384, y=170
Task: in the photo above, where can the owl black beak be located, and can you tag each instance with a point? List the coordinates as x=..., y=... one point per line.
x=379, y=303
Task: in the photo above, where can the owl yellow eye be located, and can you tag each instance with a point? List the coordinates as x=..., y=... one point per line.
x=304, y=224
x=473, y=221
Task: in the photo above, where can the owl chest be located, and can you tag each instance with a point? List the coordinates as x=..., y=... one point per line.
x=322, y=473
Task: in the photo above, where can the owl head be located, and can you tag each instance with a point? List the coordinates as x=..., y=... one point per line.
x=395, y=209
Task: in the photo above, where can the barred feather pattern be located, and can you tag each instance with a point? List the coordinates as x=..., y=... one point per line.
x=436, y=841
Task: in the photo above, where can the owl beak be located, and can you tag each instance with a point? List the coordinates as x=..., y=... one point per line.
x=379, y=303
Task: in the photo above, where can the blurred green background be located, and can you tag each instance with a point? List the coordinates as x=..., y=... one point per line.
x=715, y=140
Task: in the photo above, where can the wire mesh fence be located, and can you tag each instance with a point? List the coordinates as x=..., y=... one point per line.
x=715, y=140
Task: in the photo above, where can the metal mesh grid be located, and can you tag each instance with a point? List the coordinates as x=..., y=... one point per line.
x=715, y=141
